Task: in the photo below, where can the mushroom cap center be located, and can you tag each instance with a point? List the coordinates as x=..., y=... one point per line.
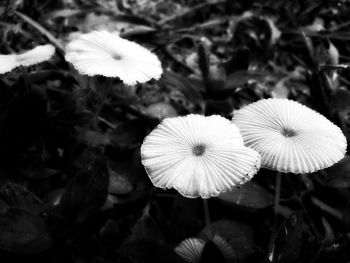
x=198, y=149
x=116, y=56
x=286, y=132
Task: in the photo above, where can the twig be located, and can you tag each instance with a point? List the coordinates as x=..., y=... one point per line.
x=326, y=208
x=101, y=119
x=337, y=27
x=109, y=124
x=207, y=24
x=326, y=67
x=342, y=36
x=42, y=30
x=330, y=36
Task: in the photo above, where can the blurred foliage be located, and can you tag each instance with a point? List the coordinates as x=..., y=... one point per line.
x=72, y=186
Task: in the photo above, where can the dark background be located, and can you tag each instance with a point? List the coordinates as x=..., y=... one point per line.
x=60, y=161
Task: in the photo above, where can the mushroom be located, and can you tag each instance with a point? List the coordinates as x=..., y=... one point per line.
x=289, y=136
x=198, y=156
x=105, y=53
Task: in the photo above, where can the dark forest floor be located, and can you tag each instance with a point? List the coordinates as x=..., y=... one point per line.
x=59, y=161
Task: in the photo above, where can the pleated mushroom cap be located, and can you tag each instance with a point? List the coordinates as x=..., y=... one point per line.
x=198, y=156
x=289, y=136
x=31, y=57
x=105, y=53
x=191, y=249
x=224, y=247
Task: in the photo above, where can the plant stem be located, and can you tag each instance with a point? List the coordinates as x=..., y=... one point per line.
x=207, y=217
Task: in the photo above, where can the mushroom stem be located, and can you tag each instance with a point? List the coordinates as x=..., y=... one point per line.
x=276, y=210
x=104, y=92
x=277, y=192
x=207, y=217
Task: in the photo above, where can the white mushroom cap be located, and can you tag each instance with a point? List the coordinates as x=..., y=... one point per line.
x=34, y=56
x=107, y=54
x=198, y=156
x=289, y=136
x=8, y=63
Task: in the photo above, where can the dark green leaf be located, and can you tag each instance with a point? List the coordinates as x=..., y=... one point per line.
x=129, y=166
x=145, y=228
x=119, y=182
x=85, y=193
x=238, y=62
x=203, y=61
x=287, y=243
x=122, y=140
x=139, y=32
x=80, y=154
x=161, y=110
x=148, y=251
x=17, y=196
x=110, y=233
x=93, y=138
x=187, y=216
x=249, y=195
x=21, y=123
x=32, y=165
x=211, y=253
x=238, y=235
x=221, y=107
x=339, y=174
x=180, y=83
x=340, y=100
x=241, y=77
x=23, y=233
